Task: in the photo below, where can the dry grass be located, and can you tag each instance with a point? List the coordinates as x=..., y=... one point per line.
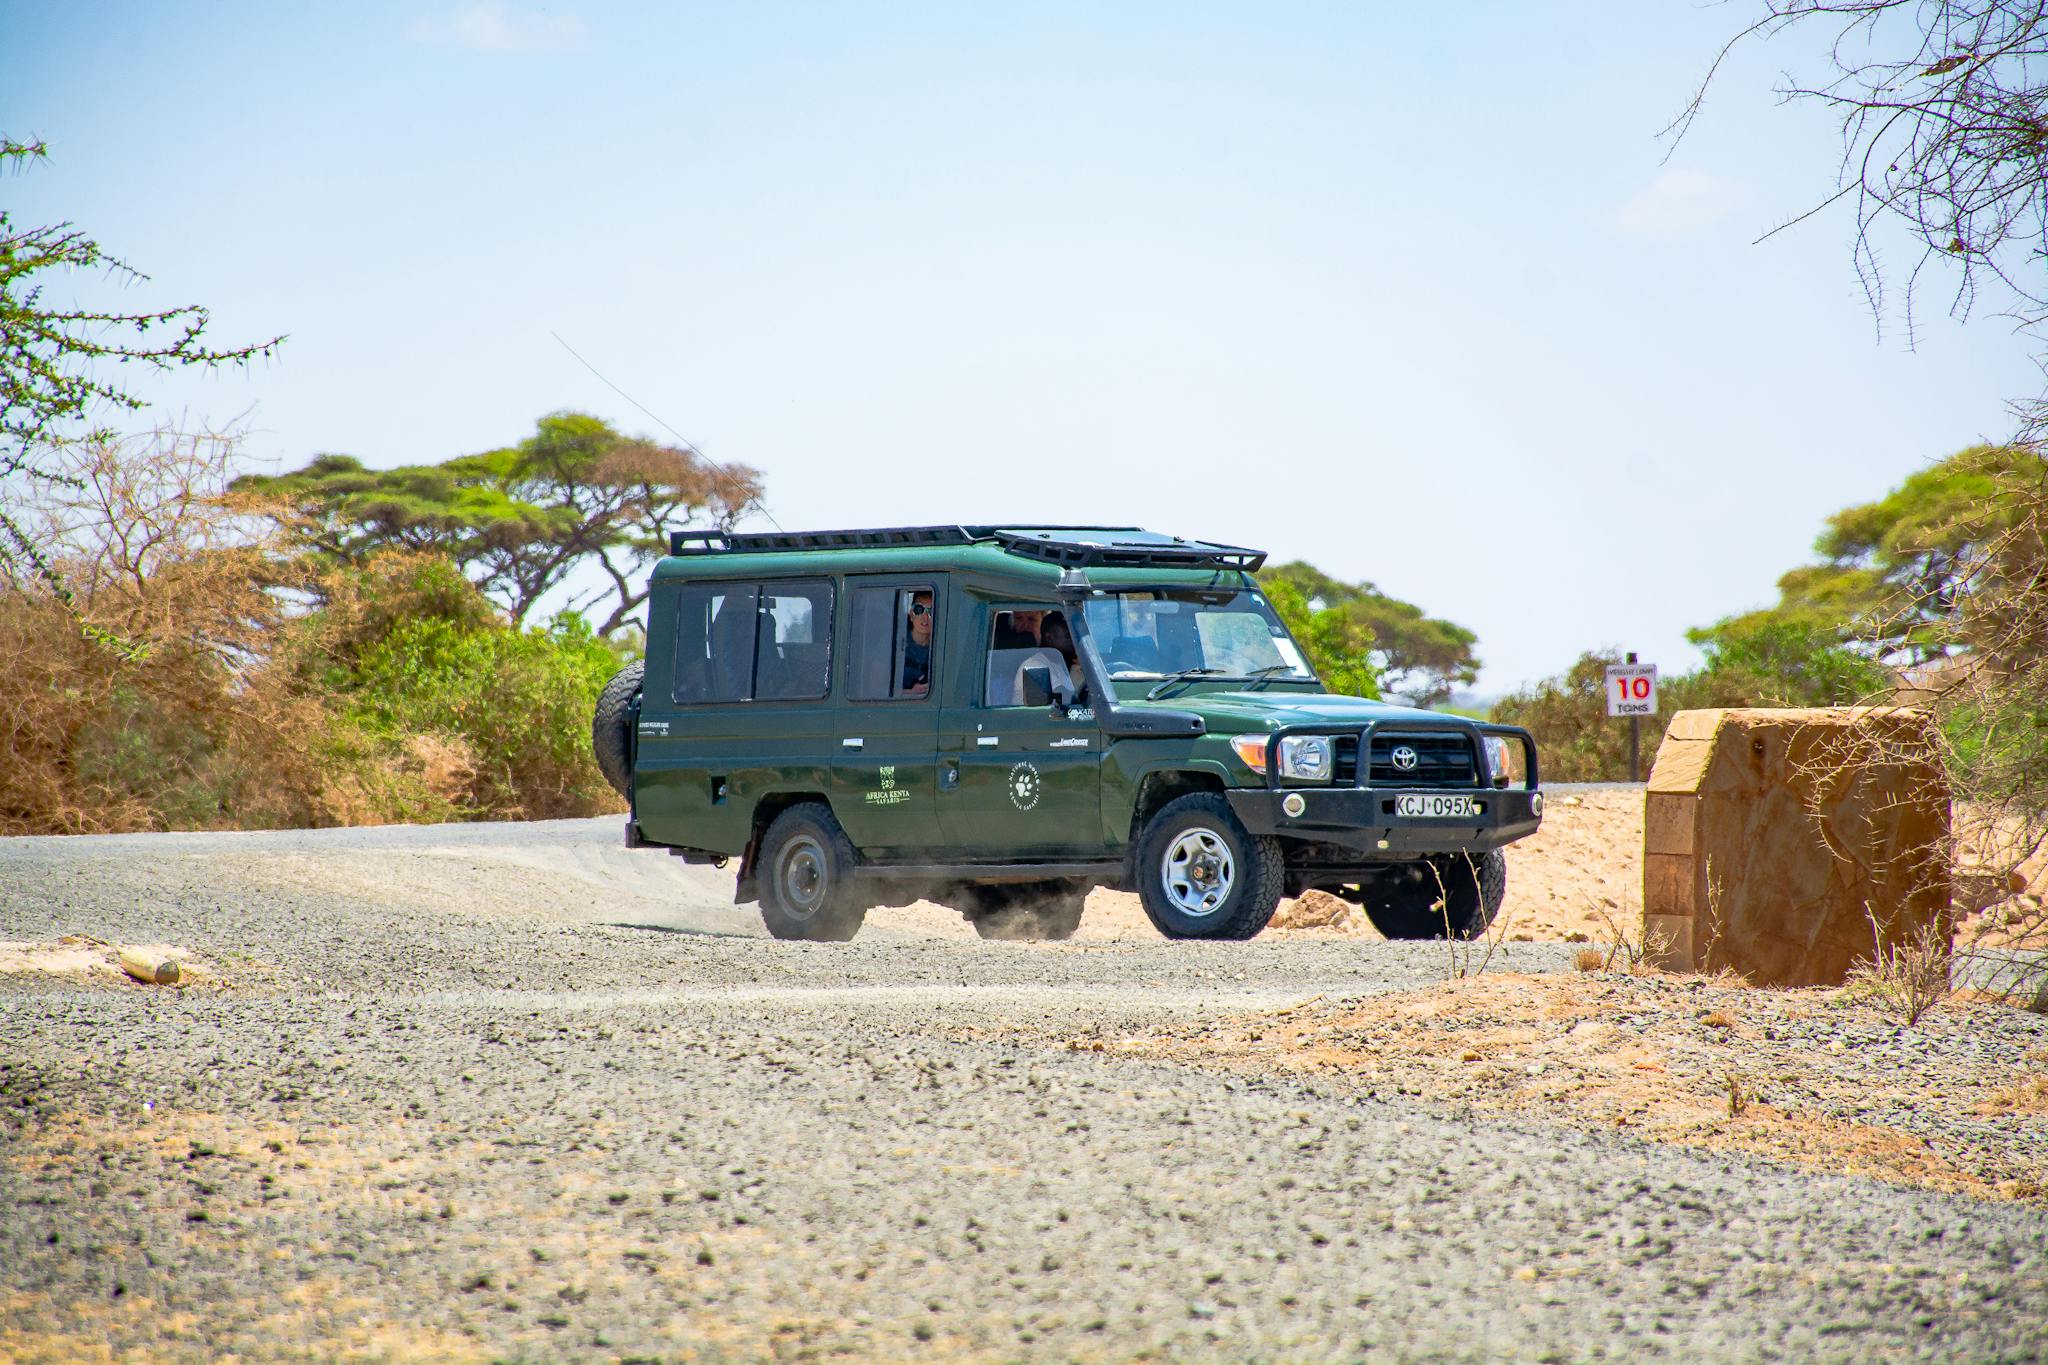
x=1668, y=1059
x=1906, y=977
x=178, y=679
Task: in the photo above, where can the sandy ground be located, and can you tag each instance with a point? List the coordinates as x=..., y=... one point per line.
x=1574, y=880
x=515, y=1093
x=1815, y=1078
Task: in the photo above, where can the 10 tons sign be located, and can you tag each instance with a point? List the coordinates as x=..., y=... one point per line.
x=1631, y=689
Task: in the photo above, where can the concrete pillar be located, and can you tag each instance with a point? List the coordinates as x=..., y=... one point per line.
x=1771, y=838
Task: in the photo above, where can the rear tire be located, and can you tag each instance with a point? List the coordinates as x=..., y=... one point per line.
x=1024, y=911
x=611, y=736
x=1403, y=903
x=805, y=876
x=1202, y=874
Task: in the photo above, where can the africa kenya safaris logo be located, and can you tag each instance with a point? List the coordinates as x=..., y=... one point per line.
x=1023, y=786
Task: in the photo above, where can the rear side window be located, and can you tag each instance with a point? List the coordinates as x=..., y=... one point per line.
x=793, y=660
x=715, y=626
x=754, y=641
x=895, y=640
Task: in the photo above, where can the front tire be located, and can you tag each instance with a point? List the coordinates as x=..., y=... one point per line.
x=1202, y=874
x=1454, y=894
x=806, y=883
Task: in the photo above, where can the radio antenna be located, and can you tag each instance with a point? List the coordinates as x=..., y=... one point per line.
x=688, y=444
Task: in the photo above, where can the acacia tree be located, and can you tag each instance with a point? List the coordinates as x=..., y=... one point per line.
x=61, y=366
x=1943, y=111
x=1415, y=656
x=520, y=520
x=1892, y=573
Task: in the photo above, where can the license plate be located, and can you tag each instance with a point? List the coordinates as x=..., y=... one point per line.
x=1435, y=806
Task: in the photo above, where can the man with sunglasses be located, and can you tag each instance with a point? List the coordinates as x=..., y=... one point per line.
x=917, y=650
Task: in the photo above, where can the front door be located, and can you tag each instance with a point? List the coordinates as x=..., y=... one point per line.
x=1018, y=781
x=885, y=770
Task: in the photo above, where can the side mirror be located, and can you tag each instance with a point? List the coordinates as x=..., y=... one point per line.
x=1037, y=687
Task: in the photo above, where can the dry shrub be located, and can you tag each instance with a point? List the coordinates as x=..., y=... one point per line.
x=1987, y=685
x=363, y=606
x=143, y=702
x=1590, y=960
x=1629, y=947
x=1907, y=975
x=190, y=674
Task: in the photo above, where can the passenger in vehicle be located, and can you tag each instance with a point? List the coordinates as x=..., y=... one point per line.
x=1011, y=634
x=1054, y=634
x=1055, y=654
x=917, y=650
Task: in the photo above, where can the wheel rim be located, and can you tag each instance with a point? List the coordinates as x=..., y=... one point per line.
x=801, y=876
x=1198, y=872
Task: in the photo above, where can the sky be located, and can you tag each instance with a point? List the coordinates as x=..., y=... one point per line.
x=1415, y=293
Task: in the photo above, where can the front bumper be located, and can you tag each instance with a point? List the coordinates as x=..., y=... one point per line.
x=1358, y=815
x=1362, y=819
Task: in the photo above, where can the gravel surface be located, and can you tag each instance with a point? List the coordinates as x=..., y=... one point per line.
x=511, y=1092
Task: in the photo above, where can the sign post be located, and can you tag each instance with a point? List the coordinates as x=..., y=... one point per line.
x=1632, y=692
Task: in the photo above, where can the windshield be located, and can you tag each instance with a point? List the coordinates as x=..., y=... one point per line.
x=1224, y=633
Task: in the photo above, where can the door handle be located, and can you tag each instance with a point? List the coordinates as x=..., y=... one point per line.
x=852, y=743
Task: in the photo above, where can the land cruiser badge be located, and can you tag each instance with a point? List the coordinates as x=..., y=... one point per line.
x=1023, y=786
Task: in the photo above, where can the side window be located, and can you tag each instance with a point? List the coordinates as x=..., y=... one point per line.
x=793, y=660
x=1029, y=635
x=895, y=638
x=715, y=642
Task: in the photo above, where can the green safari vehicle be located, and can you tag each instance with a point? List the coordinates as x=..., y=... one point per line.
x=1000, y=719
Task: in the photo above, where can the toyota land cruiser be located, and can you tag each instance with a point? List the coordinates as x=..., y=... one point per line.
x=1002, y=718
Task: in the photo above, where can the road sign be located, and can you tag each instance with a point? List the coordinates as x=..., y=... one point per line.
x=1631, y=689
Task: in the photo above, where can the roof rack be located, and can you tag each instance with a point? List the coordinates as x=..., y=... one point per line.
x=1121, y=547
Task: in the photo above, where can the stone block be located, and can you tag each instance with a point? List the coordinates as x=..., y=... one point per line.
x=1791, y=842
x=1667, y=942
x=1680, y=764
x=1699, y=725
x=1668, y=822
x=1671, y=885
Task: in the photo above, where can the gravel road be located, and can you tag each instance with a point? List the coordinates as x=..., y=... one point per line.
x=511, y=1092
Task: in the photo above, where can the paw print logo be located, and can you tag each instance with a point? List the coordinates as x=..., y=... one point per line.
x=1024, y=786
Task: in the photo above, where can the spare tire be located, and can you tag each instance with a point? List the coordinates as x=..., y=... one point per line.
x=611, y=729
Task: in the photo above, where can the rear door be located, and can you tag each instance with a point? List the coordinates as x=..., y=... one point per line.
x=885, y=767
x=696, y=715
x=1016, y=782
x=742, y=709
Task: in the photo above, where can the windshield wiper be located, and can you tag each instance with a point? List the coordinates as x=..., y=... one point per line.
x=1260, y=675
x=1182, y=676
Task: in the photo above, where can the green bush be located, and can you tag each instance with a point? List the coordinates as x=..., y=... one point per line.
x=1577, y=741
x=1789, y=663
x=517, y=702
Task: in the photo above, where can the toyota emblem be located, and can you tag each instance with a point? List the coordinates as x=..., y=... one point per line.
x=1405, y=758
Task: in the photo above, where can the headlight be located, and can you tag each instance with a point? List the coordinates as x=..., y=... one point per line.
x=1501, y=753
x=1303, y=758
x=1306, y=758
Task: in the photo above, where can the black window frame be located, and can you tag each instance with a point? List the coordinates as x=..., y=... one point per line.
x=761, y=589
x=712, y=586
x=988, y=639
x=827, y=616
x=898, y=622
